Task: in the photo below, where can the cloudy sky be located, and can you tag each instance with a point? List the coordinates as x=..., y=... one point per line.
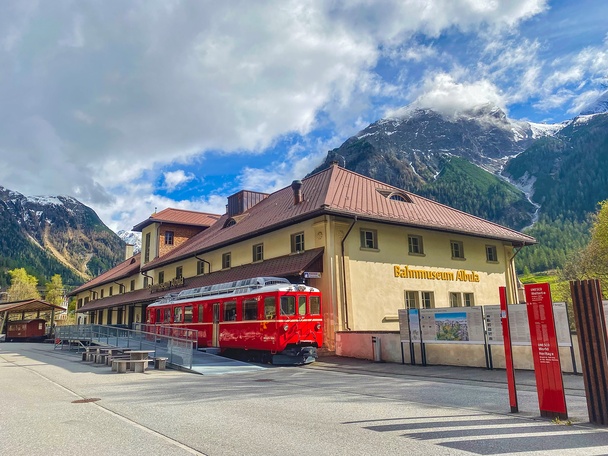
x=135, y=105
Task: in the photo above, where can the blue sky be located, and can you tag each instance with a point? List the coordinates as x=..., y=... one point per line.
x=135, y=105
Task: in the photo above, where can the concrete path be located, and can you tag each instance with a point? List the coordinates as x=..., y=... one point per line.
x=53, y=403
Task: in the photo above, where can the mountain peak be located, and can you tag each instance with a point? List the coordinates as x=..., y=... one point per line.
x=598, y=106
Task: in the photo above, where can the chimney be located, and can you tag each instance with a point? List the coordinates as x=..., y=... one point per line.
x=128, y=251
x=296, y=186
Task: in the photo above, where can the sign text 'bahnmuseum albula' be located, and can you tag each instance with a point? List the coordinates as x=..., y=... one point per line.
x=461, y=275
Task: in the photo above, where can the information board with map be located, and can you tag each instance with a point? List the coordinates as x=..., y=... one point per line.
x=409, y=325
x=460, y=325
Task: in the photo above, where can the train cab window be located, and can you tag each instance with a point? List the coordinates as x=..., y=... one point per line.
x=188, y=314
x=315, y=305
x=250, y=309
x=200, y=313
x=167, y=317
x=177, y=315
x=301, y=305
x=270, y=308
x=230, y=311
x=158, y=319
x=288, y=305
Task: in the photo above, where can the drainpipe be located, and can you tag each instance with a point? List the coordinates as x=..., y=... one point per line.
x=344, y=297
x=513, y=275
x=204, y=261
x=120, y=286
x=148, y=276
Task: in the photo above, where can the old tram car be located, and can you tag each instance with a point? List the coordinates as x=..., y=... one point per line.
x=266, y=319
x=26, y=330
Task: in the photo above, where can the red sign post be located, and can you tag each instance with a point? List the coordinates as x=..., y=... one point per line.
x=506, y=337
x=545, y=351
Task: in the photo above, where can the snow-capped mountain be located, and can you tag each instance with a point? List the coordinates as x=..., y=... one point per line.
x=600, y=105
x=129, y=237
x=55, y=235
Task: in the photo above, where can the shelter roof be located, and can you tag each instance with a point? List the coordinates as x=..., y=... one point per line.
x=288, y=265
x=179, y=217
x=29, y=305
x=125, y=269
x=341, y=192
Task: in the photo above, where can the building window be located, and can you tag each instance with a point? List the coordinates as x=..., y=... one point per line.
x=428, y=300
x=226, y=260
x=250, y=309
x=111, y=291
x=147, y=248
x=297, y=242
x=200, y=267
x=455, y=300
x=168, y=237
x=145, y=282
x=132, y=285
x=411, y=300
x=469, y=300
x=179, y=272
x=369, y=239
x=258, y=252
x=101, y=293
x=457, y=250
x=414, y=245
x=491, y=255
x=161, y=277
x=86, y=299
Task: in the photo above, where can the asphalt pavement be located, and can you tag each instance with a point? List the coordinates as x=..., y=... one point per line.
x=52, y=402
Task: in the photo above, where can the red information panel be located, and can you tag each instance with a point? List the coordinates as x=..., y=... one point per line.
x=547, y=367
x=506, y=333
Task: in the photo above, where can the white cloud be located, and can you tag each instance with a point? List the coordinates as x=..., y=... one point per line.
x=97, y=95
x=175, y=179
x=448, y=96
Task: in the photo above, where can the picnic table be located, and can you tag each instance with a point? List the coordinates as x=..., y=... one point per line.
x=137, y=361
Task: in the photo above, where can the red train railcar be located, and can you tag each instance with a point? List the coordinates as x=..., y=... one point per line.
x=265, y=318
x=34, y=329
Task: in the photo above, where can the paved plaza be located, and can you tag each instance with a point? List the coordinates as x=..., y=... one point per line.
x=53, y=403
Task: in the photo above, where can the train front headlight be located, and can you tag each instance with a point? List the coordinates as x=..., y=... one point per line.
x=285, y=328
x=318, y=326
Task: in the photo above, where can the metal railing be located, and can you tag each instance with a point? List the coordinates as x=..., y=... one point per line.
x=175, y=344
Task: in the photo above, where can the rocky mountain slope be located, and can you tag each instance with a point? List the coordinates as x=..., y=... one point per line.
x=512, y=172
x=54, y=235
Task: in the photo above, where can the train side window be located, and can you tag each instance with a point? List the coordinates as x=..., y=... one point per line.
x=315, y=305
x=250, y=309
x=188, y=314
x=288, y=305
x=301, y=305
x=167, y=318
x=230, y=311
x=270, y=308
x=200, y=313
x=177, y=315
x=158, y=320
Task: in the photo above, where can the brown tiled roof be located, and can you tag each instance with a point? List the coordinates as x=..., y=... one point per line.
x=179, y=217
x=288, y=265
x=339, y=191
x=28, y=305
x=125, y=269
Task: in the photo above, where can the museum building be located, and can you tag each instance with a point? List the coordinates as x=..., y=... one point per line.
x=369, y=247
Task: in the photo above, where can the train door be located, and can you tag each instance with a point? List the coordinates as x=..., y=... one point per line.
x=216, y=325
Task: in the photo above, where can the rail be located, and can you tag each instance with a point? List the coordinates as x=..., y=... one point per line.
x=176, y=344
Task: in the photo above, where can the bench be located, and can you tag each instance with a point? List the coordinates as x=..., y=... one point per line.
x=109, y=359
x=160, y=363
x=137, y=365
